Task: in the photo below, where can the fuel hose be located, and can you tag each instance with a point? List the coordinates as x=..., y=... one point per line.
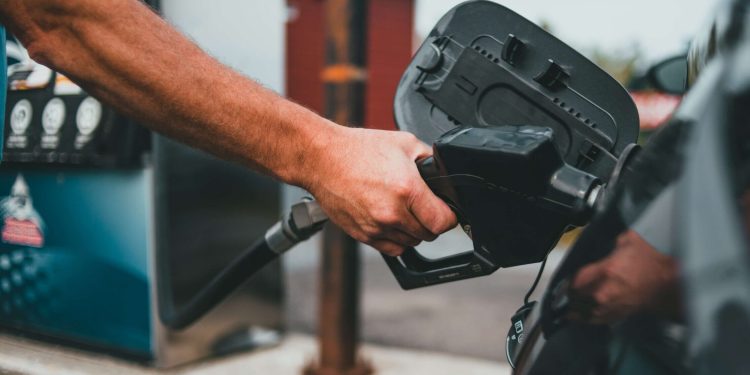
x=300, y=223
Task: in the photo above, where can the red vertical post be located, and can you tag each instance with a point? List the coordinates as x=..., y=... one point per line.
x=390, y=33
x=305, y=53
x=344, y=77
x=389, y=39
x=333, y=46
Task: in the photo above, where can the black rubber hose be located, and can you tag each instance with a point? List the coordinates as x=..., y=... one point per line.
x=230, y=278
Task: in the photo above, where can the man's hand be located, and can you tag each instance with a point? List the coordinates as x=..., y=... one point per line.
x=634, y=278
x=368, y=184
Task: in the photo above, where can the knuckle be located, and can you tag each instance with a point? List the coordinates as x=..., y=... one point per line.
x=394, y=251
x=391, y=219
x=438, y=226
x=447, y=223
x=403, y=190
x=384, y=247
x=600, y=298
x=415, y=242
x=610, y=271
x=408, y=137
x=390, y=248
x=360, y=237
x=387, y=217
x=370, y=232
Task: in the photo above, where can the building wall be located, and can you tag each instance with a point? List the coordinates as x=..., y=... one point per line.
x=389, y=38
x=390, y=31
x=245, y=35
x=305, y=53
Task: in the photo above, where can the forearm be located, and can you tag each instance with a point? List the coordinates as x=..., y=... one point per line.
x=121, y=52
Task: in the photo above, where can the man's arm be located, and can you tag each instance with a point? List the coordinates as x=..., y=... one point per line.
x=125, y=55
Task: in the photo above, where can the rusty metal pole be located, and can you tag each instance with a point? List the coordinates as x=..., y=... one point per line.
x=344, y=78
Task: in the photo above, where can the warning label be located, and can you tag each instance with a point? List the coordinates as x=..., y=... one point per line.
x=22, y=225
x=21, y=232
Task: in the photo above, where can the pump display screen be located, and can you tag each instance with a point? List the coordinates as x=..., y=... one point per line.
x=51, y=120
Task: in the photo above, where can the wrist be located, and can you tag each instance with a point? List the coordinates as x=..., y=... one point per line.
x=314, y=152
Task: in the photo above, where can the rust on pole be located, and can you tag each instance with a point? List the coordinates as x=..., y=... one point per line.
x=344, y=77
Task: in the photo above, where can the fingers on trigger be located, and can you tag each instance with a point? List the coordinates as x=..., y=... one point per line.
x=388, y=247
x=432, y=212
x=414, y=228
x=402, y=238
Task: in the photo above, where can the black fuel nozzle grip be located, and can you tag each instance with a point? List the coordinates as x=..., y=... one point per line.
x=435, y=177
x=511, y=191
x=411, y=269
x=427, y=168
x=526, y=133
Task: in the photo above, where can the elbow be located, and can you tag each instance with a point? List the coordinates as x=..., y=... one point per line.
x=41, y=50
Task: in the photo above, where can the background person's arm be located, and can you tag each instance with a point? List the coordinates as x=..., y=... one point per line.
x=635, y=278
x=128, y=57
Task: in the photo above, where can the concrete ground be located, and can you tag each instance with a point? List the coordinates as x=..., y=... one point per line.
x=468, y=318
x=456, y=328
x=20, y=356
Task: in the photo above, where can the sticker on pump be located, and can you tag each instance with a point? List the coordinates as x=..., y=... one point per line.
x=88, y=117
x=22, y=225
x=53, y=118
x=64, y=86
x=20, y=119
x=20, y=116
x=28, y=76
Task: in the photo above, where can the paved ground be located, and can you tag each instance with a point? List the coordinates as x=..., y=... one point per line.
x=456, y=328
x=19, y=356
x=467, y=318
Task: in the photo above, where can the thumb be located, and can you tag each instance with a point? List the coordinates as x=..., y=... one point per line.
x=431, y=211
x=415, y=148
x=422, y=151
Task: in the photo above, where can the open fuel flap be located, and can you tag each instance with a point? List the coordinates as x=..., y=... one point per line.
x=527, y=134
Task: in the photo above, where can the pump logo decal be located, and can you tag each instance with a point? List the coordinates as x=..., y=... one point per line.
x=88, y=117
x=53, y=118
x=20, y=119
x=22, y=225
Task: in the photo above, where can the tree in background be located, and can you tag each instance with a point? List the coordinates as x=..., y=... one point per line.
x=622, y=64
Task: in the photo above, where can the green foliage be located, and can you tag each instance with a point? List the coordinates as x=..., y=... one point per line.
x=620, y=63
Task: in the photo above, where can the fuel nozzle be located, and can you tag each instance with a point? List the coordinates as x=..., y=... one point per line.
x=300, y=223
x=577, y=191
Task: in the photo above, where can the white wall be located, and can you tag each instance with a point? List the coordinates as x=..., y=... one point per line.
x=244, y=34
x=661, y=28
x=247, y=35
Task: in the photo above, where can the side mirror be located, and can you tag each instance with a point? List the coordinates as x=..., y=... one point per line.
x=670, y=75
